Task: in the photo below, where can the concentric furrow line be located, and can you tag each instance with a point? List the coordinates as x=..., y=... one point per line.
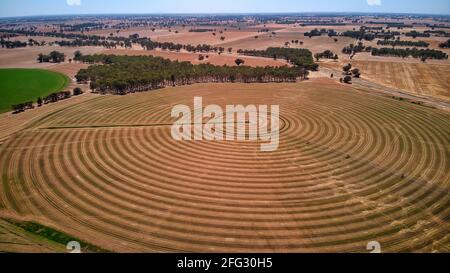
x=350, y=168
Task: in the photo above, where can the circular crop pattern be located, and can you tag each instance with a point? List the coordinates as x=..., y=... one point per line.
x=351, y=168
x=23, y=85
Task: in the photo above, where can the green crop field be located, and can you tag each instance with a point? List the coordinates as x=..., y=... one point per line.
x=22, y=85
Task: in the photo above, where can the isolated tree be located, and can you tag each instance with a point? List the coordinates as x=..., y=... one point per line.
x=77, y=91
x=356, y=73
x=347, y=79
x=230, y=50
x=40, y=58
x=347, y=68
x=57, y=57
x=239, y=62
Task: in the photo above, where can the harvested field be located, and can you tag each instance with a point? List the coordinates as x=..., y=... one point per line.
x=416, y=78
x=11, y=124
x=348, y=171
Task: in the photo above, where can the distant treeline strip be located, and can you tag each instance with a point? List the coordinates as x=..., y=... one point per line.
x=415, y=53
x=79, y=40
x=121, y=75
x=403, y=43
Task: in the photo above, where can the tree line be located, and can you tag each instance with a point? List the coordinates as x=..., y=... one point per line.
x=359, y=35
x=317, y=32
x=353, y=49
x=414, y=52
x=363, y=34
x=416, y=34
x=79, y=40
x=54, y=56
x=327, y=54
x=52, y=34
x=51, y=98
x=296, y=56
x=12, y=44
x=201, y=30
x=80, y=43
x=121, y=75
x=22, y=107
x=403, y=43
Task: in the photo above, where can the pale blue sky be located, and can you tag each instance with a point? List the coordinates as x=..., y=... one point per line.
x=59, y=7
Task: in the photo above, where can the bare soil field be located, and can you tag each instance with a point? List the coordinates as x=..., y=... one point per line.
x=196, y=38
x=348, y=171
x=142, y=32
x=27, y=57
x=315, y=44
x=182, y=35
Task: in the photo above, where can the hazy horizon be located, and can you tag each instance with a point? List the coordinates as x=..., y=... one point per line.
x=25, y=8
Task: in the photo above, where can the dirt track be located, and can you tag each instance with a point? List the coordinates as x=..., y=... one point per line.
x=348, y=171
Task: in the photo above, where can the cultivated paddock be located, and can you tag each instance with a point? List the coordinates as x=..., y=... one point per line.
x=351, y=168
x=422, y=79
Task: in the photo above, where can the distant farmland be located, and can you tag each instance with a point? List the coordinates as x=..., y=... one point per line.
x=22, y=85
